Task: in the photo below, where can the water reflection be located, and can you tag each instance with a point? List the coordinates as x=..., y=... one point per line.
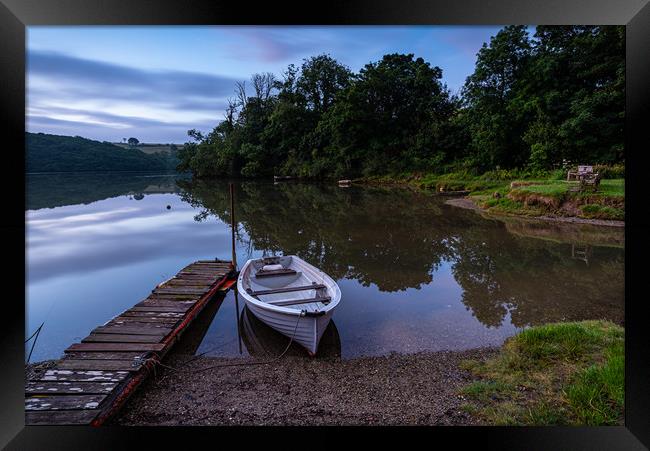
x=416, y=274
x=263, y=342
x=59, y=189
x=396, y=240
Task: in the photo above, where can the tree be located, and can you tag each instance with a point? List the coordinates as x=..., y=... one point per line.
x=494, y=116
x=133, y=142
x=577, y=89
x=390, y=118
x=321, y=79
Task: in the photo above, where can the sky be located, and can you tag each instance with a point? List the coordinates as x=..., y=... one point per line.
x=154, y=83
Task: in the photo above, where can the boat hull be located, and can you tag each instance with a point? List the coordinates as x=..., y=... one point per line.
x=305, y=330
x=305, y=323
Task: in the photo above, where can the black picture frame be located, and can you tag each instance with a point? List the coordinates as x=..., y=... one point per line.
x=15, y=15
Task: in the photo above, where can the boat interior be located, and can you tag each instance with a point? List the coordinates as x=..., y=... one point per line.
x=274, y=281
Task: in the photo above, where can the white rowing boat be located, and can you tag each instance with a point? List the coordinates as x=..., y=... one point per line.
x=291, y=296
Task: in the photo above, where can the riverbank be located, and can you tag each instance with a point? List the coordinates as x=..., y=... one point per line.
x=546, y=196
x=556, y=374
x=470, y=204
x=395, y=389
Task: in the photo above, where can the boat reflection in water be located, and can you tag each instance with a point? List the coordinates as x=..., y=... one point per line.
x=263, y=342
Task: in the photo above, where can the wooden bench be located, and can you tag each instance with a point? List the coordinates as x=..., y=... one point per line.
x=581, y=172
x=274, y=272
x=285, y=289
x=324, y=299
x=590, y=181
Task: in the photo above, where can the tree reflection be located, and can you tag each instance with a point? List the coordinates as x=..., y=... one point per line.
x=55, y=190
x=396, y=239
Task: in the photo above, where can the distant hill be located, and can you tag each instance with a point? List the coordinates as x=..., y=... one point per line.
x=151, y=148
x=54, y=153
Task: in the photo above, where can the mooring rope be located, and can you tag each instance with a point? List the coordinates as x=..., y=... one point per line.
x=36, y=333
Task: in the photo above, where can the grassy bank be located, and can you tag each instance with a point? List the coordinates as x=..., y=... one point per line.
x=556, y=374
x=525, y=193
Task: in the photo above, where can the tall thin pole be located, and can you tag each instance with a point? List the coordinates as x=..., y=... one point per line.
x=233, y=224
x=234, y=257
x=237, y=318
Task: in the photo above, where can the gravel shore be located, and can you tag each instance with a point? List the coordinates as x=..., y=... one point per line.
x=396, y=389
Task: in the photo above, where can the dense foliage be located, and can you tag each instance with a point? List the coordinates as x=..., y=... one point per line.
x=54, y=153
x=532, y=102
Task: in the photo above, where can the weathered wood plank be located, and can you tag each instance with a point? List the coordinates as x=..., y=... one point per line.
x=144, y=320
x=116, y=347
x=180, y=290
x=63, y=402
x=208, y=277
x=78, y=376
x=152, y=329
x=172, y=297
x=167, y=315
x=163, y=303
x=186, y=284
x=106, y=355
x=104, y=365
x=121, y=338
x=205, y=269
x=198, y=277
x=152, y=308
x=60, y=417
x=216, y=274
x=54, y=388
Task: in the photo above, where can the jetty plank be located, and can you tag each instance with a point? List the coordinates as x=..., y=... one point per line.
x=114, y=365
x=91, y=381
x=81, y=375
x=180, y=290
x=116, y=347
x=60, y=417
x=153, y=308
x=121, y=338
x=63, y=402
x=163, y=303
x=151, y=329
x=106, y=355
x=165, y=315
x=171, y=297
x=53, y=388
x=142, y=320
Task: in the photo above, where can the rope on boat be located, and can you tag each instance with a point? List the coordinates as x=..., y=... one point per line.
x=264, y=362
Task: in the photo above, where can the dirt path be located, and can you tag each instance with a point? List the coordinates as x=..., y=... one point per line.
x=395, y=389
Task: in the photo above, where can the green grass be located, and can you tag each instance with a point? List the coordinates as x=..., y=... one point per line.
x=533, y=194
x=554, y=189
x=556, y=374
x=597, y=395
x=613, y=187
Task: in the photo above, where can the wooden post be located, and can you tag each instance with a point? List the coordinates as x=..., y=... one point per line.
x=233, y=224
x=237, y=318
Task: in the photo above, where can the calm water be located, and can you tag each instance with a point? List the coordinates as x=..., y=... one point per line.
x=415, y=274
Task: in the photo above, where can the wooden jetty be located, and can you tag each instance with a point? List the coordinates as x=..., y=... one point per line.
x=97, y=376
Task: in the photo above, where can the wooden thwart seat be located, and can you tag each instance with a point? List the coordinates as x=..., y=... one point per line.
x=285, y=289
x=323, y=299
x=275, y=272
